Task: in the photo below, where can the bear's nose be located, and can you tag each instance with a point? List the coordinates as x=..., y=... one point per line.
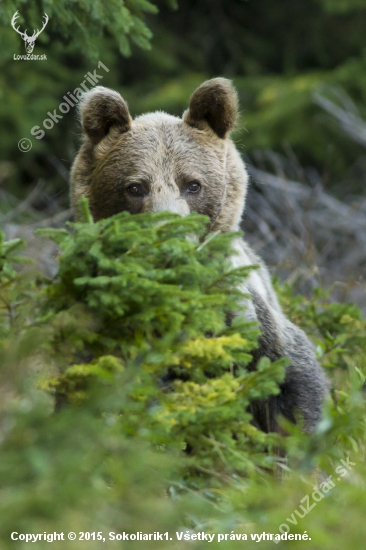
x=167, y=202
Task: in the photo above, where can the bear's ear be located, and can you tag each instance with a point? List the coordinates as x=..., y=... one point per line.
x=216, y=103
x=100, y=110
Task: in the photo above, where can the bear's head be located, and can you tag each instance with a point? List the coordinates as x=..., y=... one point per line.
x=160, y=162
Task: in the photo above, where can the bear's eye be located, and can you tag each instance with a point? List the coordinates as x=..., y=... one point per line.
x=135, y=190
x=193, y=187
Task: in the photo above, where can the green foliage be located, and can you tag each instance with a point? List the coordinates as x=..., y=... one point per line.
x=334, y=327
x=277, y=54
x=343, y=6
x=152, y=390
x=77, y=36
x=137, y=300
x=14, y=288
x=82, y=22
x=7, y=249
x=339, y=334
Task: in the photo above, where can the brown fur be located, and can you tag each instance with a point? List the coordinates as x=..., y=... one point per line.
x=214, y=103
x=102, y=111
x=162, y=156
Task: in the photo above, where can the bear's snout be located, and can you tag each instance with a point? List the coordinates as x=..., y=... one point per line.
x=171, y=202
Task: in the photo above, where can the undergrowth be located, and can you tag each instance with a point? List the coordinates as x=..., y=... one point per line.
x=140, y=344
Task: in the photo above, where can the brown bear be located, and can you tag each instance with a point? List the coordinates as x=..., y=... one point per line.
x=160, y=162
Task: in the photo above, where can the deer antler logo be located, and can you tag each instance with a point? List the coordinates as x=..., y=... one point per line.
x=29, y=40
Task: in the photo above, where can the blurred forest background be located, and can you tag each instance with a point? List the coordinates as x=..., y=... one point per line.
x=299, y=67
